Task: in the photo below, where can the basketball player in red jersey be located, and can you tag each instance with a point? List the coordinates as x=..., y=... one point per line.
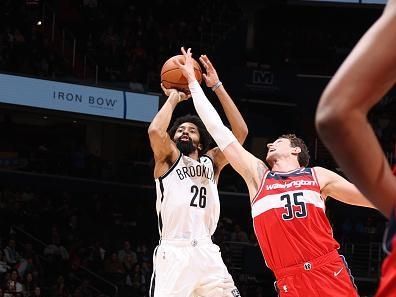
x=288, y=206
x=362, y=80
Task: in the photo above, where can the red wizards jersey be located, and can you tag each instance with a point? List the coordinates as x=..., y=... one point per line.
x=387, y=286
x=289, y=218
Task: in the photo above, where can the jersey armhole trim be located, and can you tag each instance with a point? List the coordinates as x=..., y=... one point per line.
x=317, y=181
x=171, y=168
x=261, y=186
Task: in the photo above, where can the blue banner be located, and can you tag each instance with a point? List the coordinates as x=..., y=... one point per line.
x=141, y=107
x=77, y=98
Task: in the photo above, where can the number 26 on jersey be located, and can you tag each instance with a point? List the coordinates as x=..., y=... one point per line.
x=199, y=197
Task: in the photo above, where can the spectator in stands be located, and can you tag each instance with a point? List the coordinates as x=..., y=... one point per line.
x=129, y=263
x=56, y=250
x=28, y=285
x=60, y=289
x=138, y=281
x=37, y=292
x=239, y=234
x=31, y=257
x=3, y=265
x=11, y=255
x=96, y=256
x=6, y=279
x=25, y=265
x=57, y=255
x=114, y=269
x=126, y=250
x=143, y=252
x=113, y=264
x=110, y=40
x=85, y=289
x=13, y=287
x=146, y=270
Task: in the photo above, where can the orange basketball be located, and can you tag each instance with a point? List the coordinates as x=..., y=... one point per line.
x=172, y=77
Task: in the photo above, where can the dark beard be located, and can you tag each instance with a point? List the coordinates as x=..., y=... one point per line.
x=186, y=147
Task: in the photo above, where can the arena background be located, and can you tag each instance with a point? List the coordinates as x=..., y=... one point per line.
x=79, y=84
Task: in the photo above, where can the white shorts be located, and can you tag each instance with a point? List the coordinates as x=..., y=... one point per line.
x=189, y=269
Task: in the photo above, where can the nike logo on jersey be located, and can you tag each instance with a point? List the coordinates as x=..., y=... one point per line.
x=338, y=272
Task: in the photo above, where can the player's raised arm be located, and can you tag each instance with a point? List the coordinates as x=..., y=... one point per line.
x=165, y=151
x=339, y=188
x=247, y=165
x=341, y=119
x=238, y=125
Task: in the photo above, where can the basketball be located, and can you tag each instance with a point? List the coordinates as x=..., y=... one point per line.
x=172, y=77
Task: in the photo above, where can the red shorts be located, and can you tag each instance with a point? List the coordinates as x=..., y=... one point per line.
x=387, y=287
x=325, y=276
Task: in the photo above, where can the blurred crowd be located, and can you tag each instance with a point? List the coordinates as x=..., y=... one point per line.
x=75, y=244
x=72, y=245
x=24, y=48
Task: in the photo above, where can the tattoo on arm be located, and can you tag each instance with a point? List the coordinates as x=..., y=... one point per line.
x=261, y=168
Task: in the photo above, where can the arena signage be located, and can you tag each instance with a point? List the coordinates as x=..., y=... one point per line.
x=77, y=98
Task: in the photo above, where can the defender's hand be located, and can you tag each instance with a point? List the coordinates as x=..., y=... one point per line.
x=211, y=78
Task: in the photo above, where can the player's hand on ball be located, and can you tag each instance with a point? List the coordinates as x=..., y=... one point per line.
x=211, y=78
x=181, y=96
x=167, y=92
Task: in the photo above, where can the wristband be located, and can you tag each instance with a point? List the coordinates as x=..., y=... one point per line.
x=218, y=84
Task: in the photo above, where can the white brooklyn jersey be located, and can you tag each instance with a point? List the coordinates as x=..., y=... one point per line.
x=188, y=204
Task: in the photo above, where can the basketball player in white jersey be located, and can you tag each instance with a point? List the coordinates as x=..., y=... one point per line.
x=186, y=262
